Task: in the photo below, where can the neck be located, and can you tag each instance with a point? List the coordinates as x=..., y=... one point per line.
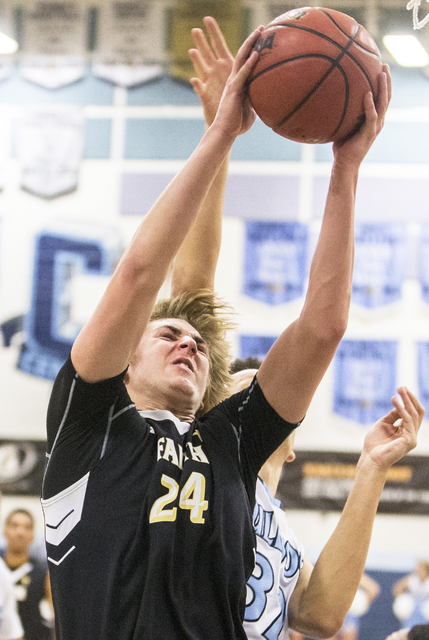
x=183, y=416
x=270, y=473
x=15, y=558
x=184, y=413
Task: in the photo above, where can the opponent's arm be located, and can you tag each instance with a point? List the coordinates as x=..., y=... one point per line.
x=324, y=594
x=296, y=363
x=196, y=260
x=106, y=344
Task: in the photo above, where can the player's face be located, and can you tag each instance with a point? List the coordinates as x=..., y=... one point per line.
x=173, y=359
x=18, y=532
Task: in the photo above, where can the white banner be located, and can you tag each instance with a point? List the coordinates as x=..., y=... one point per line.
x=55, y=35
x=130, y=47
x=49, y=144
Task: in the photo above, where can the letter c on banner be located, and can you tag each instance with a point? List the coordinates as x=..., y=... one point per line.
x=50, y=332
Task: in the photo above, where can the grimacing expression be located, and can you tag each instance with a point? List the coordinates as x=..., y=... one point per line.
x=172, y=355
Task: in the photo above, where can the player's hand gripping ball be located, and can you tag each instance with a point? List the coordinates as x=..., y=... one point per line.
x=315, y=66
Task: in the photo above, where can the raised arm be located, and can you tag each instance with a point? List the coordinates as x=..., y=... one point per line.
x=324, y=594
x=106, y=344
x=195, y=263
x=296, y=363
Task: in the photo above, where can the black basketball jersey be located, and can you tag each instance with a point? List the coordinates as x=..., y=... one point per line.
x=149, y=520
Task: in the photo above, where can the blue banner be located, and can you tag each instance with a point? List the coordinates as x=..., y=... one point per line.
x=275, y=261
x=50, y=331
x=255, y=346
x=380, y=260
x=423, y=375
x=365, y=379
x=424, y=262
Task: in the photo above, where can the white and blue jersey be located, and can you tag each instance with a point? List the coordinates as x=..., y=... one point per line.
x=279, y=559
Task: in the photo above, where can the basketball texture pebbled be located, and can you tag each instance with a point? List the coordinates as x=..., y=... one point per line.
x=315, y=66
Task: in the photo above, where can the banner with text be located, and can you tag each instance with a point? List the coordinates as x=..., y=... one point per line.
x=322, y=480
x=365, y=379
x=275, y=261
x=379, y=269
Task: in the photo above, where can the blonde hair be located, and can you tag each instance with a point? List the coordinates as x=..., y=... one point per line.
x=212, y=317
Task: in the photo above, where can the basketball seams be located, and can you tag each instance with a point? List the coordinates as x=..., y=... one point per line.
x=275, y=65
x=313, y=90
x=301, y=27
x=321, y=105
x=344, y=51
x=332, y=19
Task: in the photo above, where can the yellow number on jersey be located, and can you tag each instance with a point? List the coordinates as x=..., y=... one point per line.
x=196, y=487
x=159, y=513
x=191, y=497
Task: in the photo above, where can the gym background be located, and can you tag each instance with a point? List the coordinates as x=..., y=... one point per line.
x=96, y=116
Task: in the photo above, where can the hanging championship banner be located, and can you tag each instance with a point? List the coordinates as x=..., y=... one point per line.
x=423, y=374
x=275, y=261
x=22, y=464
x=6, y=22
x=49, y=144
x=424, y=262
x=255, y=346
x=365, y=379
x=130, y=47
x=322, y=481
x=187, y=14
x=54, y=35
x=379, y=269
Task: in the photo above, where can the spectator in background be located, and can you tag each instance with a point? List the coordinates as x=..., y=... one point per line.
x=411, y=593
x=10, y=625
x=28, y=576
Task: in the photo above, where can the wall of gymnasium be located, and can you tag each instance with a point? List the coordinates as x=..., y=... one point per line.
x=135, y=140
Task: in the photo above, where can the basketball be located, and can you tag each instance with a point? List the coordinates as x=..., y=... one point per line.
x=315, y=66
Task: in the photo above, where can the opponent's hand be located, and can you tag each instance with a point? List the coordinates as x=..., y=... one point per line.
x=235, y=114
x=212, y=64
x=394, y=435
x=354, y=149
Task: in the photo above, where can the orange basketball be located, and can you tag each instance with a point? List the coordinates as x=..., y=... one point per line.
x=315, y=66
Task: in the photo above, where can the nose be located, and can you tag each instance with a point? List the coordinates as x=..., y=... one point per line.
x=188, y=343
x=291, y=457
